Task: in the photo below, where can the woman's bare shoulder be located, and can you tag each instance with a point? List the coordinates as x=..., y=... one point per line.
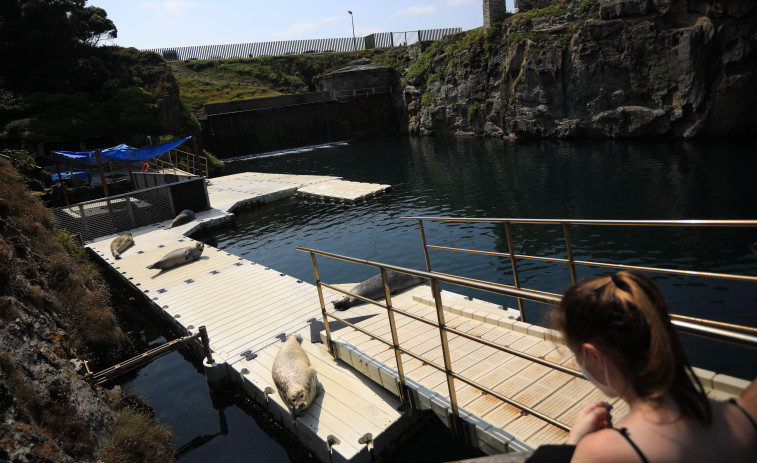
x=607, y=445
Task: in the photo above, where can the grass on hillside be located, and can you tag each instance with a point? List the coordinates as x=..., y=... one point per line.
x=213, y=81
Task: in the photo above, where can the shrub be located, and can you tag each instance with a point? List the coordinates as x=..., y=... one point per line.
x=472, y=110
x=136, y=438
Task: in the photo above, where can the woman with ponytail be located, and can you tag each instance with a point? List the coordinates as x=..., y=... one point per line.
x=619, y=329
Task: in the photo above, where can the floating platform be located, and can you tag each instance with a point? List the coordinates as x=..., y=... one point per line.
x=492, y=425
x=247, y=308
x=238, y=191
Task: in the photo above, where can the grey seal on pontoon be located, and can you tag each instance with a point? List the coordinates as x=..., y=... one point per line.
x=294, y=376
x=373, y=288
x=184, y=216
x=180, y=256
x=121, y=244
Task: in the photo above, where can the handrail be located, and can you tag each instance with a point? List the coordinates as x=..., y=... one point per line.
x=194, y=163
x=566, y=223
x=738, y=334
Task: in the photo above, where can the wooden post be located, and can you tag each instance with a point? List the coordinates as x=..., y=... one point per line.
x=60, y=179
x=131, y=176
x=102, y=174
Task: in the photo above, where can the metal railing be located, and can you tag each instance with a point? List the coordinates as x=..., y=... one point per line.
x=738, y=334
x=182, y=160
x=572, y=263
x=296, y=47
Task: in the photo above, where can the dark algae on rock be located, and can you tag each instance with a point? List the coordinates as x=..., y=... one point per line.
x=597, y=68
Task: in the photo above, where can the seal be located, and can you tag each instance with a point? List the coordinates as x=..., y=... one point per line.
x=180, y=256
x=294, y=376
x=373, y=288
x=121, y=244
x=184, y=217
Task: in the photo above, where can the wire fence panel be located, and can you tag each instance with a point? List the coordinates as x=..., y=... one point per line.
x=114, y=214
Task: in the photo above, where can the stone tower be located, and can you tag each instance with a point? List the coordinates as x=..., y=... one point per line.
x=493, y=11
x=525, y=5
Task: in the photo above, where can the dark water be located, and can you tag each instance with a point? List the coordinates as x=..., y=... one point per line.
x=485, y=178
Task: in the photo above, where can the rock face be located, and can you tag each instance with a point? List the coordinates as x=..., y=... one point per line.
x=607, y=68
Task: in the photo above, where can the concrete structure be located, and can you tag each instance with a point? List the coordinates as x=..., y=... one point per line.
x=358, y=74
x=525, y=5
x=494, y=10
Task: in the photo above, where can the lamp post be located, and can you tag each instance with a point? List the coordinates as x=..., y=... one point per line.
x=354, y=43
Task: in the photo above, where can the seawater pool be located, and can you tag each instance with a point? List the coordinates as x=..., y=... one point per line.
x=582, y=179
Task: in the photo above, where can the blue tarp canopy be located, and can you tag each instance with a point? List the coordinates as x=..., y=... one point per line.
x=122, y=153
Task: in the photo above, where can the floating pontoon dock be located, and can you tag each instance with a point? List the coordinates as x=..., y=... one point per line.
x=247, y=308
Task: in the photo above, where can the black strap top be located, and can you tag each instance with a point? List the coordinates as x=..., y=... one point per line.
x=624, y=432
x=746, y=413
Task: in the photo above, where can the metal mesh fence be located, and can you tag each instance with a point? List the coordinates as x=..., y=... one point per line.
x=114, y=214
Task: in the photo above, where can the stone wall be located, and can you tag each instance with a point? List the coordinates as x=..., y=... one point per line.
x=494, y=10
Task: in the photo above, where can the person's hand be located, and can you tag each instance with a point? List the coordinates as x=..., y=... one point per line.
x=592, y=418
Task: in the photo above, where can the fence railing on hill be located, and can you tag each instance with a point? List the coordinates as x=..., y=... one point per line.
x=296, y=47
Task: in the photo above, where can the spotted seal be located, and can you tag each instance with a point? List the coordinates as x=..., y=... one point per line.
x=294, y=376
x=180, y=256
x=184, y=217
x=373, y=288
x=121, y=244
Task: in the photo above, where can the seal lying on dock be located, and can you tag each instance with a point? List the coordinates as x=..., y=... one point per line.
x=121, y=244
x=294, y=376
x=373, y=288
x=180, y=256
x=184, y=217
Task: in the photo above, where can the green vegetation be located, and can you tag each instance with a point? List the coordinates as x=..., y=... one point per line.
x=212, y=81
x=473, y=110
x=586, y=5
x=427, y=98
x=136, y=438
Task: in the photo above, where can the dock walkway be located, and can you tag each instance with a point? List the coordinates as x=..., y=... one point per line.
x=492, y=425
x=247, y=308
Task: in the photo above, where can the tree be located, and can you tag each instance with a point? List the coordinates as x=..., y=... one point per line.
x=41, y=39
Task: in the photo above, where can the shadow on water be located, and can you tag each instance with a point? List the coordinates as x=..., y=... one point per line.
x=590, y=179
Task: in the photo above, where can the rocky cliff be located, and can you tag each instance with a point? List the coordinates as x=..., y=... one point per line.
x=54, y=313
x=601, y=68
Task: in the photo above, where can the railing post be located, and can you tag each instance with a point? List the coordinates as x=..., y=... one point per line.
x=206, y=344
x=447, y=360
x=570, y=253
x=515, y=269
x=404, y=396
x=425, y=248
x=329, y=343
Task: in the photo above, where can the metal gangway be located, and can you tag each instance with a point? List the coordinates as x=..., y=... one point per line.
x=429, y=334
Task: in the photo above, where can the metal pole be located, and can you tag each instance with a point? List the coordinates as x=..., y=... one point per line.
x=515, y=269
x=445, y=350
x=354, y=42
x=425, y=247
x=395, y=339
x=329, y=344
x=570, y=253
